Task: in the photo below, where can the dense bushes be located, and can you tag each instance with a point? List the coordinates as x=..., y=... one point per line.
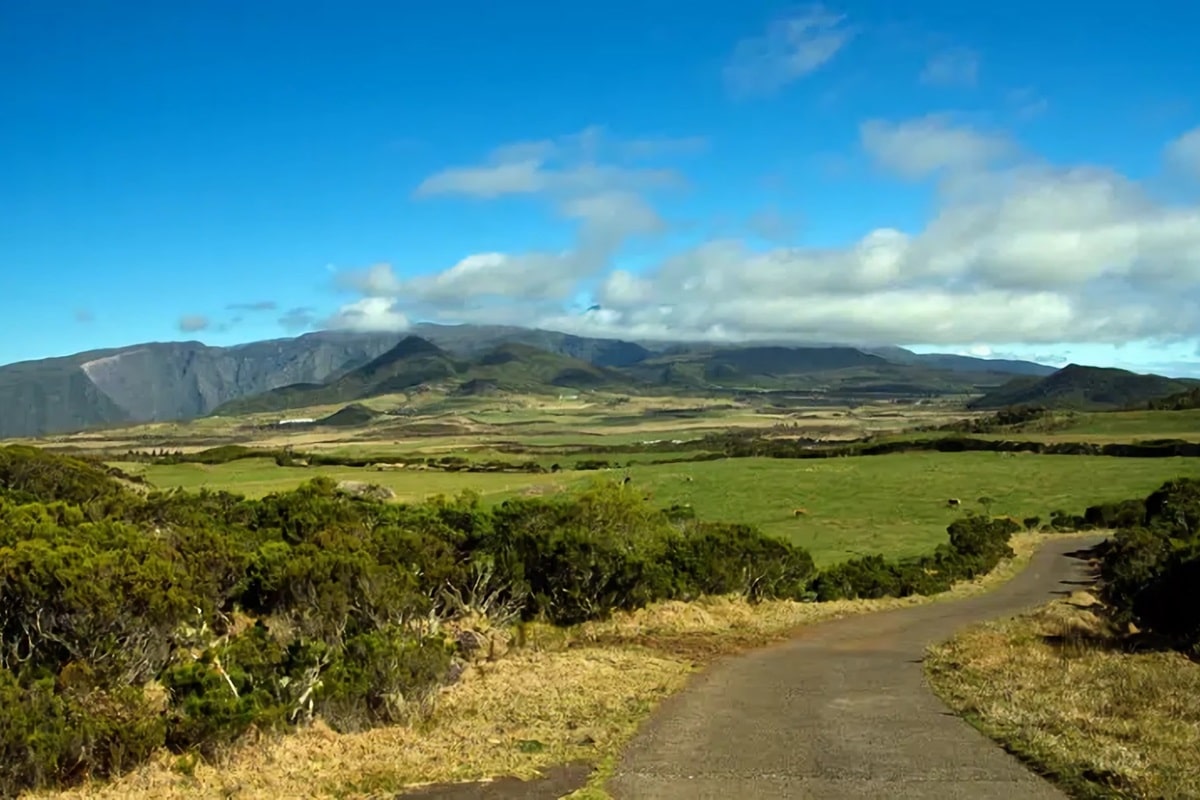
x=1150, y=571
x=977, y=544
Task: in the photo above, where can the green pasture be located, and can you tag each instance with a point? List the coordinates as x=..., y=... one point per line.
x=895, y=504
x=490, y=451
x=1126, y=426
x=255, y=477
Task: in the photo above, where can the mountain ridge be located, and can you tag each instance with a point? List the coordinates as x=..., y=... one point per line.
x=158, y=381
x=416, y=362
x=1083, y=388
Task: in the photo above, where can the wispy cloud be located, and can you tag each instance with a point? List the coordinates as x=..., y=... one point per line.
x=658, y=147
x=568, y=165
x=917, y=148
x=789, y=49
x=298, y=319
x=1183, y=153
x=1027, y=103
x=261, y=305
x=191, y=323
x=957, y=66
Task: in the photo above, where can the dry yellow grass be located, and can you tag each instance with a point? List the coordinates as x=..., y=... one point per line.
x=515, y=716
x=565, y=695
x=1055, y=688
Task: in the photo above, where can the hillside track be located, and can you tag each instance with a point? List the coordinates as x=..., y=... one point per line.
x=843, y=710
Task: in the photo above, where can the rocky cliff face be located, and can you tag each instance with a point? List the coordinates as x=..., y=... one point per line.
x=164, y=381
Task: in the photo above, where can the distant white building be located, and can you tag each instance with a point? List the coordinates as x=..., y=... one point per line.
x=297, y=421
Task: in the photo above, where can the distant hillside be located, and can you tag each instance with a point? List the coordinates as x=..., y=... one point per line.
x=473, y=340
x=957, y=363
x=516, y=367
x=829, y=370
x=415, y=361
x=409, y=363
x=162, y=381
x=350, y=416
x=1083, y=389
x=1183, y=401
x=182, y=380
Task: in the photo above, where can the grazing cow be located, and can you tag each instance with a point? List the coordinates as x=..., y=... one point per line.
x=799, y=512
x=953, y=502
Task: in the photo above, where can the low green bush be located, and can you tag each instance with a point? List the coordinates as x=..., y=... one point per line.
x=976, y=545
x=1150, y=572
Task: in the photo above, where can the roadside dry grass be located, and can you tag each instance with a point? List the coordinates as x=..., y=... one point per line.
x=560, y=696
x=1058, y=689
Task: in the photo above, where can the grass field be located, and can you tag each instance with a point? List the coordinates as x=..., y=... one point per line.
x=1115, y=426
x=535, y=420
x=895, y=504
x=1054, y=687
x=255, y=477
x=1127, y=426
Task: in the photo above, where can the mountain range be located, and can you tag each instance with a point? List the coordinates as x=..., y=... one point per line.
x=843, y=372
x=182, y=380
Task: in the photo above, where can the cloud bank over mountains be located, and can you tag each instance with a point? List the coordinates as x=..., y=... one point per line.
x=1016, y=249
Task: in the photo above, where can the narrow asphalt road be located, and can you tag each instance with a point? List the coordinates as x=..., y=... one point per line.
x=842, y=711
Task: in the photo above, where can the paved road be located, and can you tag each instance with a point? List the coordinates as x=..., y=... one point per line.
x=841, y=711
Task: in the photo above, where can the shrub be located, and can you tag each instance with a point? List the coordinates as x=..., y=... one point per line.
x=50, y=737
x=1126, y=514
x=382, y=677
x=977, y=544
x=868, y=577
x=714, y=558
x=1150, y=574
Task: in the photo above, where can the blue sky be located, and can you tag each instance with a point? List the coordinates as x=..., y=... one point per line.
x=1024, y=181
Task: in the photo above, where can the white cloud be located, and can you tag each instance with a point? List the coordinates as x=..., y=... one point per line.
x=568, y=165
x=613, y=215
x=598, y=197
x=957, y=66
x=370, y=314
x=1183, y=154
x=773, y=225
x=377, y=280
x=920, y=147
x=1015, y=251
x=1027, y=103
x=789, y=49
